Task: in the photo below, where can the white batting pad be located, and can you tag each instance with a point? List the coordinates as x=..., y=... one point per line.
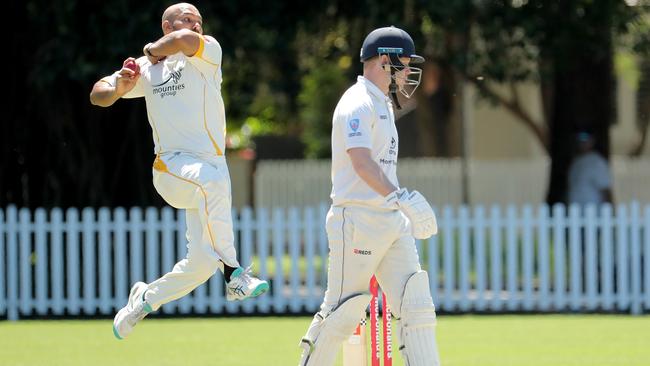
x=417, y=324
x=325, y=334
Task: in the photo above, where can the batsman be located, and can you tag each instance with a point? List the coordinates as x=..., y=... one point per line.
x=373, y=222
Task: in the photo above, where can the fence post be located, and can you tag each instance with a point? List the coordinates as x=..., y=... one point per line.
x=294, y=226
x=3, y=229
x=479, y=257
x=120, y=274
x=646, y=254
x=512, y=254
x=527, y=263
x=262, y=227
x=623, y=265
x=72, y=260
x=25, y=260
x=591, y=249
x=635, y=258
x=559, y=287
x=12, y=263
x=312, y=299
x=278, y=231
x=40, y=252
x=575, y=256
x=544, y=262
x=56, y=260
x=246, y=247
x=449, y=257
x=495, y=258
x=464, y=260
x=105, y=226
x=89, y=265
x=607, y=258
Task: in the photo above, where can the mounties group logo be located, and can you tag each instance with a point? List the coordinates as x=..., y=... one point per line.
x=354, y=126
x=169, y=90
x=391, y=159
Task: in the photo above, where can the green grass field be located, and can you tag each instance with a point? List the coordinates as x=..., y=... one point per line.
x=566, y=340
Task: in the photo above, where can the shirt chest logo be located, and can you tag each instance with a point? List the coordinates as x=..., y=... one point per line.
x=391, y=159
x=170, y=86
x=174, y=76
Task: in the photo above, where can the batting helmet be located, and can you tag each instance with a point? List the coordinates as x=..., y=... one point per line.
x=392, y=41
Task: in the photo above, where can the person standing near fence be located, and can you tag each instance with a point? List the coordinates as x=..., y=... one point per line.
x=180, y=78
x=372, y=223
x=590, y=181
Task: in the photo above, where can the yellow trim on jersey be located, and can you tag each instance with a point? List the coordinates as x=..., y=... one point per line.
x=199, y=52
x=159, y=165
x=205, y=125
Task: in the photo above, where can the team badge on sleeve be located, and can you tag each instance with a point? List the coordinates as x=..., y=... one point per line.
x=354, y=126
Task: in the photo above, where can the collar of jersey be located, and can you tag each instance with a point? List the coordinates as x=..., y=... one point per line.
x=372, y=88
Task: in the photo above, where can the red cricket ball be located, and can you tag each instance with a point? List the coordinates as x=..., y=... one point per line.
x=131, y=65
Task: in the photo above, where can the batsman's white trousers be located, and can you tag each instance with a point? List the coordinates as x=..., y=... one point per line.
x=365, y=241
x=201, y=186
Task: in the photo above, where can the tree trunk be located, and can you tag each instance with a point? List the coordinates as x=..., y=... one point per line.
x=582, y=101
x=642, y=108
x=434, y=110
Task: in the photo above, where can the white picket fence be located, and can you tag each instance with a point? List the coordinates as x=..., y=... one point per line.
x=484, y=259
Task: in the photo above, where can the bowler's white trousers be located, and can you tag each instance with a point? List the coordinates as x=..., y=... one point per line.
x=364, y=242
x=201, y=186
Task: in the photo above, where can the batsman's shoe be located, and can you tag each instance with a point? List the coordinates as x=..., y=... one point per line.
x=242, y=285
x=134, y=311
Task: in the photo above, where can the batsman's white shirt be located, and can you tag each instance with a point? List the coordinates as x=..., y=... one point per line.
x=363, y=118
x=186, y=113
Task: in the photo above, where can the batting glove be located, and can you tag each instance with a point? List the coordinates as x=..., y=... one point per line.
x=417, y=209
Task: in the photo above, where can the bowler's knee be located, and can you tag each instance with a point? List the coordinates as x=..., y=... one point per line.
x=203, y=268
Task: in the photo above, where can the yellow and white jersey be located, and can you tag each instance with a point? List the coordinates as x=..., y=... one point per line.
x=184, y=103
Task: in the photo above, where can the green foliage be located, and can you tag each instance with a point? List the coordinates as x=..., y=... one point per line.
x=325, y=62
x=504, y=40
x=285, y=65
x=321, y=89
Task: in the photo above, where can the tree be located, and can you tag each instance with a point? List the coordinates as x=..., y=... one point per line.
x=566, y=46
x=285, y=64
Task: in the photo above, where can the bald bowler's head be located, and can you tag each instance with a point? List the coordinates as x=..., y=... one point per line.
x=182, y=15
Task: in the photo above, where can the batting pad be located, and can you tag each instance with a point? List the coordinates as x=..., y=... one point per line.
x=323, y=339
x=417, y=324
